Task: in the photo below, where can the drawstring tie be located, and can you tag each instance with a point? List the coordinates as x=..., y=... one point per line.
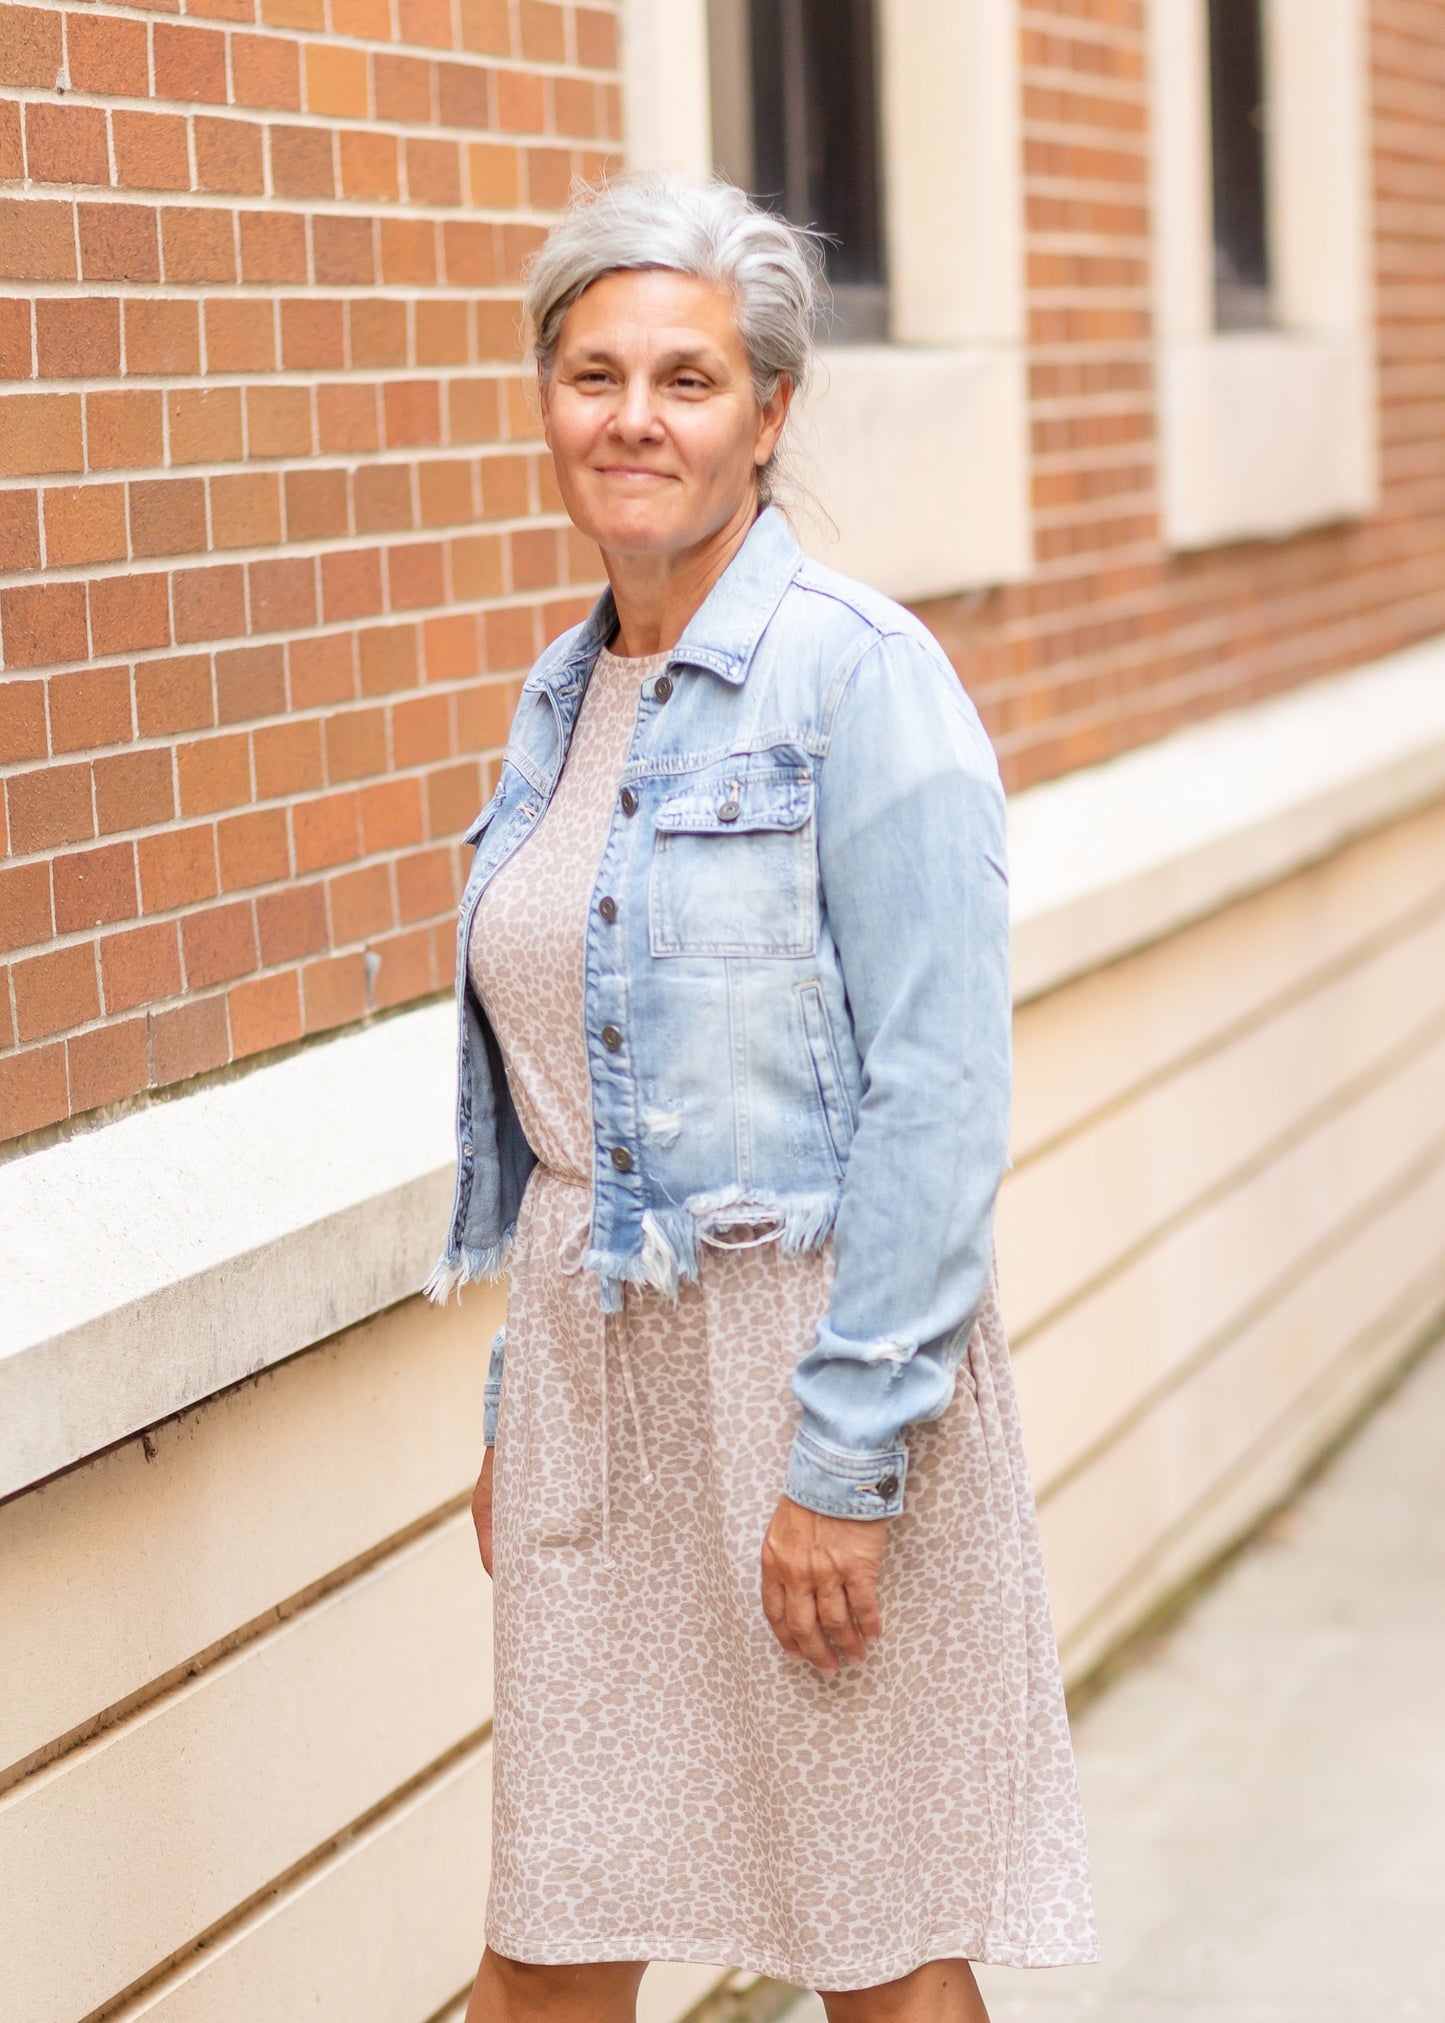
x=613, y=1333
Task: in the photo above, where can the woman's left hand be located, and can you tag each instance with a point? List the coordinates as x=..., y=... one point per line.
x=820, y=1584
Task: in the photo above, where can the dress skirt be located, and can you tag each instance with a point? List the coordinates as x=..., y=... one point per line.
x=668, y=1785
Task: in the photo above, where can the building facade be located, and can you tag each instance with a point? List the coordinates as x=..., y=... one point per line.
x=1135, y=388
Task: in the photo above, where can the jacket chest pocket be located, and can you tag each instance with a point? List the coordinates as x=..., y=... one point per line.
x=734, y=868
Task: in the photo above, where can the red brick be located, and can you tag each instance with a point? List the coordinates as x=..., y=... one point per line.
x=189, y=63
x=245, y=509
x=377, y=332
x=150, y=154
x=30, y=47
x=391, y=815
x=403, y=90
x=596, y=39
x=177, y=867
x=361, y=903
x=95, y=887
x=199, y=245
x=325, y=831
x=321, y=670
x=351, y=584
x=37, y=241
x=19, y=530
x=406, y=968
x=343, y=251
x=336, y=83
x=388, y=659
x=544, y=32
x=469, y=254
x=308, y=14
x=228, y=155
x=421, y=731
x=273, y=246
x=282, y=594
x=140, y=966
x=107, y=1065
x=346, y=419
x=427, y=23
x=15, y=347
x=453, y=795
x=355, y=745
x=433, y=171
x=25, y=918
x=313, y=335
x=173, y=695
x=77, y=338
x=133, y=790
x=250, y=683
x=214, y=773
x=477, y=571
x=316, y=505
x=90, y=708
x=32, y=1091
x=123, y=430
x=12, y=170
x=452, y=646
x=218, y=944
x=189, y=1041
x=41, y=623
x=369, y=171
x=333, y=991
x=494, y=175
x=163, y=337
x=509, y=639
x=208, y=604
x=381, y=495
x=408, y=252
x=301, y=161
x=486, y=27
x=521, y=101
x=118, y=243
x=168, y=516
x=49, y=807
x=426, y=882
x=445, y=491
x=241, y=335
x=22, y=722
x=412, y=410
x=254, y=849
x=129, y=613
x=278, y=421
x=66, y=144
x=265, y=1013
x=266, y=71
x=204, y=425
x=464, y=95
x=40, y=434
x=291, y=923
x=415, y=576
x=55, y=991
x=443, y=333
x=107, y=57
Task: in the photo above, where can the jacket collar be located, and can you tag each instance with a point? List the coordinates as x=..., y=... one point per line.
x=723, y=633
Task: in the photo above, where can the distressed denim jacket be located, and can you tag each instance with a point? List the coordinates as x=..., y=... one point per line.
x=796, y=990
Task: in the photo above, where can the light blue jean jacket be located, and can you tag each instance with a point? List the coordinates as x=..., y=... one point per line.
x=797, y=950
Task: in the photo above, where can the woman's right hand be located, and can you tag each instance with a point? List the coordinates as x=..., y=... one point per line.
x=482, y=1511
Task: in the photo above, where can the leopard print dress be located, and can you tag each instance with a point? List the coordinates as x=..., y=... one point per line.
x=668, y=1785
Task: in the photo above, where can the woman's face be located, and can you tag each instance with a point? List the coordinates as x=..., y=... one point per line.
x=650, y=414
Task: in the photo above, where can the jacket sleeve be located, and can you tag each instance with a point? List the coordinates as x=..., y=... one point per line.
x=911, y=839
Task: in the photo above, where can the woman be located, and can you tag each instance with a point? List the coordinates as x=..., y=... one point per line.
x=734, y=1001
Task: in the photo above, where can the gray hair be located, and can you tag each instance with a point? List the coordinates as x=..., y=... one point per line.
x=710, y=231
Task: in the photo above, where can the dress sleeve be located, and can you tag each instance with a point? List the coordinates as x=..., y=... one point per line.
x=911, y=838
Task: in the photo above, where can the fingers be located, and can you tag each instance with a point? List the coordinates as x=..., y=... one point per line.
x=819, y=1586
x=835, y=1618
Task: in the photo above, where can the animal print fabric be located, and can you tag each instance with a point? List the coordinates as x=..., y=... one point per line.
x=669, y=1786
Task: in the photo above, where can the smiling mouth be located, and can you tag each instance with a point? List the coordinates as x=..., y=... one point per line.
x=630, y=471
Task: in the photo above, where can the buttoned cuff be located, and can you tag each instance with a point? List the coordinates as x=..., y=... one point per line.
x=837, y=1483
x=492, y=1393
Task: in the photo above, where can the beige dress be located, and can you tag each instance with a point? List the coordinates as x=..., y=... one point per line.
x=668, y=1785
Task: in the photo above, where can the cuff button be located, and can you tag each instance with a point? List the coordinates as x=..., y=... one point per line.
x=887, y=1488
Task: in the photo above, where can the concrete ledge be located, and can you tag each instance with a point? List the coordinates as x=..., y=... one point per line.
x=1116, y=856
x=150, y=1263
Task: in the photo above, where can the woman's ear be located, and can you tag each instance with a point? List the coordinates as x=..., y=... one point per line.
x=772, y=415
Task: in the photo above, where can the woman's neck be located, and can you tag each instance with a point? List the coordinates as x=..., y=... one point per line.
x=657, y=595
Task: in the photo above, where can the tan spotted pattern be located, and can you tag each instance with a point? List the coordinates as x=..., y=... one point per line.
x=668, y=1784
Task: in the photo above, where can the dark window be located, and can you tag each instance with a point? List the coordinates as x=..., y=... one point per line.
x=1237, y=125
x=795, y=121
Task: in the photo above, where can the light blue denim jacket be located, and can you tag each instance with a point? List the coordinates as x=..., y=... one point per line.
x=796, y=990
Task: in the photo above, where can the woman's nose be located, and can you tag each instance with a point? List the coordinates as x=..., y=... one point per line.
x=635, y=415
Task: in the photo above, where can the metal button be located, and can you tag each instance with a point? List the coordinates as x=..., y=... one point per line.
x=608, y=909
x=611, y=1039
x=729, y=810
x=662, y=687
x=887, y=1488
x=622, y=1160
x=629, y=801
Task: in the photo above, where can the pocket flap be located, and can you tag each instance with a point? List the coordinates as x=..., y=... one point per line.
x=748, y=795
x=470, y=835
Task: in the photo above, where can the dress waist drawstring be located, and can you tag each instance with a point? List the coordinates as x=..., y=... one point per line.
x=612, y=1334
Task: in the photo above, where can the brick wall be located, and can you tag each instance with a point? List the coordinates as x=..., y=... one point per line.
x=276, y=541
x=1115, y=642
x=275, y=538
